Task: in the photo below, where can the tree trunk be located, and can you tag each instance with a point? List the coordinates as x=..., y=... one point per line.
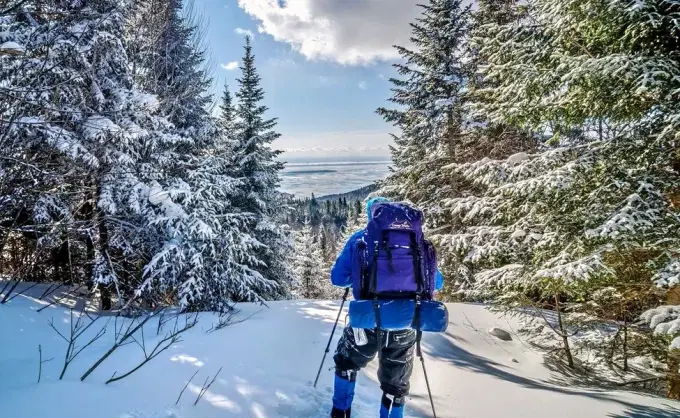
x=599, y=129
x=625, y=344
x=103, y=247
x=563, y=333
x=105, y=293
x=104, y=290
x=673, y=378
x=673, y=361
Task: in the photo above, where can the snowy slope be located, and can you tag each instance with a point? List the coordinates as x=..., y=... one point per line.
x=269, y=362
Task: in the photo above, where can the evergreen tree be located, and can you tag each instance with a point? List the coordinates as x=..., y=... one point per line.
x=214, y=249
x=82, y=120
x=227, y=117
x=429, y=100
x=557, y=227
x=484, y=138
x=256, y=163
x=311, y=281
x=174, y=67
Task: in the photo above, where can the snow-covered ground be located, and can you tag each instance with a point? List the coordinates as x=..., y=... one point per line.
x=268, y=365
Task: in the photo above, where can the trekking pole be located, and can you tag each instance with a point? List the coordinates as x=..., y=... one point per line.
x=328, y=347
x=427, y=381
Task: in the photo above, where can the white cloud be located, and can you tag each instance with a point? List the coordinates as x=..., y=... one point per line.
x=230, y=66
x=354, y=33
x=362, y=85
x=243, y=32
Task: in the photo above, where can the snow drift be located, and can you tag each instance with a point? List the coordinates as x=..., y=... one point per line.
x=268, y=364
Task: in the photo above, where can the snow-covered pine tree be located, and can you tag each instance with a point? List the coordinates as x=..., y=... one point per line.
x=556, y=228
x=428, y=96
x=208, y=255
x=256, y=164
x=484, y=139
x=226, y=121
x=76, y=119
x=209, y=259
x=432, y=97
x=171, y=62
x=311, y=281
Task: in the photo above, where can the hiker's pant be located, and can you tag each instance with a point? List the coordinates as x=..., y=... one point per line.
x=396, y=350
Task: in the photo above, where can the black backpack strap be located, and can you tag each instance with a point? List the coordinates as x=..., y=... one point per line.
x=417, y=264
x=416, y=326
x=363, y=274
x=378, y=326
x=373, y=276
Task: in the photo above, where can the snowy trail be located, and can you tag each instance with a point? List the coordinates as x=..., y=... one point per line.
x=269, y=363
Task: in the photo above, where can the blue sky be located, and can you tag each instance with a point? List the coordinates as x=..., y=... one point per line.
x=325, y=66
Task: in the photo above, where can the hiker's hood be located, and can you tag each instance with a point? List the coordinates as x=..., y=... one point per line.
x=371, y=202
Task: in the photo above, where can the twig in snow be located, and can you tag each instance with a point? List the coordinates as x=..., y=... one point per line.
x=120, y=341
x=162, y=320
x=491, y=344
x=206, y=386
x=168, y=340
x=41, y=361
x=50, y=290
x=77, y=329
x=225, y=319
x=185, y=387
x=9, y=298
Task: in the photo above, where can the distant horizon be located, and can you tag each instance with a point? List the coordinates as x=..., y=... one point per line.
x=326, y=175
x=330, y=159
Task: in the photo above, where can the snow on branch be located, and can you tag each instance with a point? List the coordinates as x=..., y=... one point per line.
x=668, y=275
x=664, y=320
x=582, y=269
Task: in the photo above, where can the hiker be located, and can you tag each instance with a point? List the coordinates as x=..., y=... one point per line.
x=377, y=277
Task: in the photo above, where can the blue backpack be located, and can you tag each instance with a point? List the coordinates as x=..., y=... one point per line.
x=393, y=260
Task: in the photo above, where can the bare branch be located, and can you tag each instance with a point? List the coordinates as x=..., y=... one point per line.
x=41, y=361
x=166, y=342
x=50, y=290
x=205, y=387
x=185, y=387
x=118, y=343
x=51, y=323
x=76, y=331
